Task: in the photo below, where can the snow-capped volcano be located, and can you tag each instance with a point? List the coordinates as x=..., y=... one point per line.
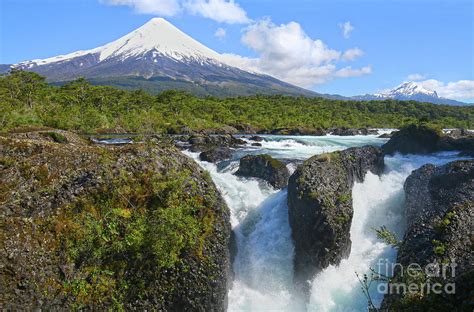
x=409, y=91
x=157, y=36
x=159, y=56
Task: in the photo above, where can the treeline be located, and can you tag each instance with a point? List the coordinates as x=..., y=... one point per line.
x=27, y=100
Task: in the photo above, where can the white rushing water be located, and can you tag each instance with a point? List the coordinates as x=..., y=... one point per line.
x=259, y=215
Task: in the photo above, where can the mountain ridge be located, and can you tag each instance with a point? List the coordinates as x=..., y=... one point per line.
x=158, y=50
x=158, y=56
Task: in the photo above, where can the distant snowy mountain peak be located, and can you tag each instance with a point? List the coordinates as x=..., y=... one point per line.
x=407, y=89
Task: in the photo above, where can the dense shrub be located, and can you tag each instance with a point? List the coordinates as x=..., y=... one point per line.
x=26, y=99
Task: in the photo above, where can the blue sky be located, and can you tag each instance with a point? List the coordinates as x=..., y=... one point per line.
x=389, y=41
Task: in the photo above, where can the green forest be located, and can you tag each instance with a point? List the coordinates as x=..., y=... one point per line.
x=27, y=100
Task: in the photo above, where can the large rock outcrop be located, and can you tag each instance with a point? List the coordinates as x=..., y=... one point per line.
x=440, y=224
x=137, y=227
x=215, y=155
x=350, y=131
x=320, y=206
x=266, y=168
x=205, y=142
x=421, y=139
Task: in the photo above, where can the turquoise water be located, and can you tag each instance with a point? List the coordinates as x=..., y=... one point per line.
x=259, y=215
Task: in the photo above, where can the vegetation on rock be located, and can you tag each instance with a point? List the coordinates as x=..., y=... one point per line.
x=87, y=227
x=424, y=138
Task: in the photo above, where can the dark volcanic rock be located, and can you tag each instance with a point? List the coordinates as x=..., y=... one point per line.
x=296, y=131
x=440, y=217
x=205, y=142
x=256, y=138
x=413, y=139
x=256, y=144
x=137, y=227
x=348, y=132
x=264, y=167
x=216, y=154
x=320, y=207
x=420, y=139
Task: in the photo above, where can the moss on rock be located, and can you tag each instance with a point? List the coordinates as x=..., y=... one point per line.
x=87, y=227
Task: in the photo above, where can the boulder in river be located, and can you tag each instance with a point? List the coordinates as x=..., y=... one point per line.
x=215, y=155
x=320, y=207
x=439, y=211
x=266, y=168
x=256, y=138
x=351, y=131
x=413, y=139
x=204, y=142
x=422, y=139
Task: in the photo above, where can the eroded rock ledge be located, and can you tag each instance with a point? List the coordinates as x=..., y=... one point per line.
x=94, y=228
x=320, y=207
x=440, y=217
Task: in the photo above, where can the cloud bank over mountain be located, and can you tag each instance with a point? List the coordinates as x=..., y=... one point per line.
x=286, y=52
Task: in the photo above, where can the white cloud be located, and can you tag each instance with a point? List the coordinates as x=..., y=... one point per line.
x=352, y=54
x=415, y=77
x=220, y=33
x=347, y=28
x=224, y=11
x=157, y=7
x=457, y=90
x=286, y=52
x=350, y=72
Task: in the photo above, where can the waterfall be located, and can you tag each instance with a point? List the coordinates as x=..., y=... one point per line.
x=259, y=215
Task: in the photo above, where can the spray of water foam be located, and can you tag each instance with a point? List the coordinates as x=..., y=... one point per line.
x=377, y=201
x=264, y=263
x=259, y=215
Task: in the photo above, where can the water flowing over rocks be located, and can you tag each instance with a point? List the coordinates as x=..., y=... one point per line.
x=440, y=222
x=136, y=227
x=320, y=207
x=264, y=167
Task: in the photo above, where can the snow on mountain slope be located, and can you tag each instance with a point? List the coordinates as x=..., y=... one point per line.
x=409, y=91
x=158, y=35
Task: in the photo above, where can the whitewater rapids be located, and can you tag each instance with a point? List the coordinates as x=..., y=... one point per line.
x=259, y=215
